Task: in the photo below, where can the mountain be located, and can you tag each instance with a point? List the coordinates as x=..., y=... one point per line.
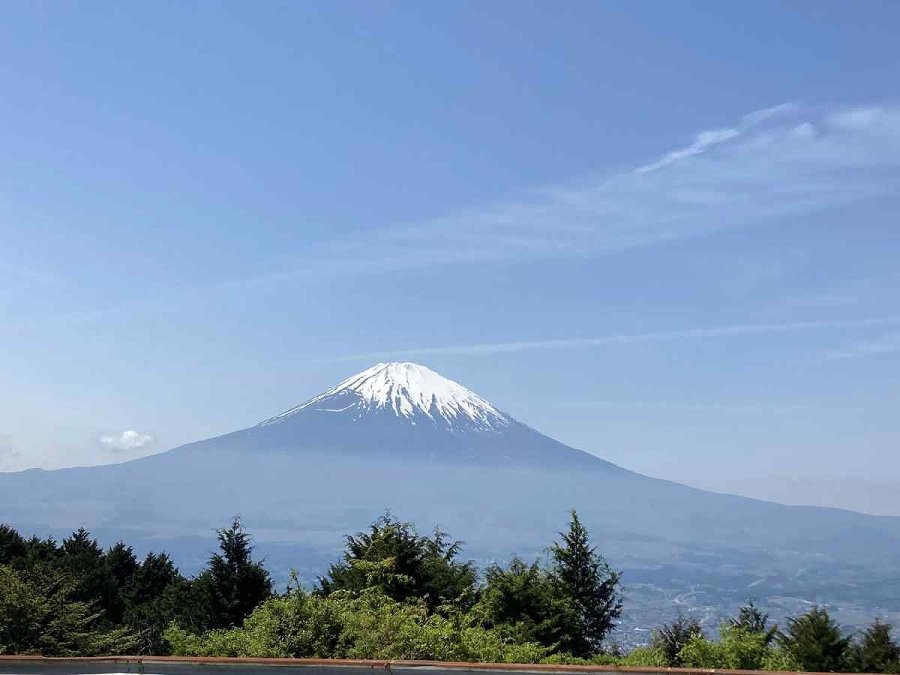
x=399, y=436
x=405, y=410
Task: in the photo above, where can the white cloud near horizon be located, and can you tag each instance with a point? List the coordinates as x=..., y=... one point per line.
x=125, y=441
x=735, y=330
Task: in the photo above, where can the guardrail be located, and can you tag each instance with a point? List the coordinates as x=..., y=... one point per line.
x=193, y=665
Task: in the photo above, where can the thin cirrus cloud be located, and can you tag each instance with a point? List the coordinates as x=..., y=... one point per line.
x=878, y=346
x=782, y=161
x=125, y=441
x=772, y=164
x=788, y=160
x=709, y=332
x=706, y=140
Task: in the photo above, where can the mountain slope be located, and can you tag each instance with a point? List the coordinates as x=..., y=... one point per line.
x=402, y=437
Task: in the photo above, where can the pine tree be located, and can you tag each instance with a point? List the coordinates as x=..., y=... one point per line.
x=83, y=559
x=669, y=639
x=523, y=600
x=815, y=642
x=40, y=614
x=392, y=557
x=233, y=584
x=121, y=566
x=754, y=621
x=877, y=652
x=584, y=577
x=12, y=545
x=158, y=596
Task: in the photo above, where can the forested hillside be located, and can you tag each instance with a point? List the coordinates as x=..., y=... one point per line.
x=395, y=594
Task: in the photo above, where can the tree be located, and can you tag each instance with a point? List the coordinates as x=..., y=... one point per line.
x=156, y=598
x=584, y=577
x=120, y=565
x=876, y=651
x=39, y=614
x=753, y=621
x=233, y=584
x=155, y=574
x=12, y=545
x=815, y=642
x=670, y=639
x=523, y=601
x=392, y=557
x=83, y=559
x=40, y=551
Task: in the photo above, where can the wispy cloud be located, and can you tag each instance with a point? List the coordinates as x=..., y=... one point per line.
x=703, y=142
x=709, y=332
x=16, y=272
x=753, y=408
x=125, y=441
x=772, y=164
x=883, y=344
x=769, y=166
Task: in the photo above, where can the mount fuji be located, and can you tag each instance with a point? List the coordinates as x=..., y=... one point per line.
x=399, y=436
x=405, y=410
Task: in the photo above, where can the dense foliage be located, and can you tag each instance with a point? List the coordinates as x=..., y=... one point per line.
x=394, y=595
x=584, y=580
x=231, y=586
x=392, y=557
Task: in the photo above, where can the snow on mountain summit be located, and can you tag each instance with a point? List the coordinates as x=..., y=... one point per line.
x=409, y=390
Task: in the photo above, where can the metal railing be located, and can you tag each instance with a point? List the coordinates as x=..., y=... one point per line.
x=193, y=665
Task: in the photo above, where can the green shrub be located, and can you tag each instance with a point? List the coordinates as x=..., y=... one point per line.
x=780, y=659
x=736, y=649
x=569, y=660
x=368, y=625
x=651, y=657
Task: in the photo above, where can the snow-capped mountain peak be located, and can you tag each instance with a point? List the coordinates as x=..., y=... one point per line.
x=409, y=390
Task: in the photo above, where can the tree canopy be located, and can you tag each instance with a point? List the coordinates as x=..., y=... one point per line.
x=394, y=594
x=394, y=558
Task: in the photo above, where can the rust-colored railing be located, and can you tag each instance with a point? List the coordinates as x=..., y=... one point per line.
x=177, y=665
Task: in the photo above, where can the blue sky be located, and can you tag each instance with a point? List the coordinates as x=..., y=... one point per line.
x=665, y=233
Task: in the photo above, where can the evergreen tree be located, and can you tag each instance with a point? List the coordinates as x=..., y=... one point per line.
x=154, y=575
x=233, y=584
x=815, y=642
x=40, y=551
x=670, y=639
x=121, y=566
x=585, y=578
x=40, y=614
x=523, y=601
x=753, y=621
x=392, y=557
x=877, y=651
x=83, y=559
x=157, y=597
x=12, y=545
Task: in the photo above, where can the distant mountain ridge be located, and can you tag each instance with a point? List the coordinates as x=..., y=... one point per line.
x=400, y=436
